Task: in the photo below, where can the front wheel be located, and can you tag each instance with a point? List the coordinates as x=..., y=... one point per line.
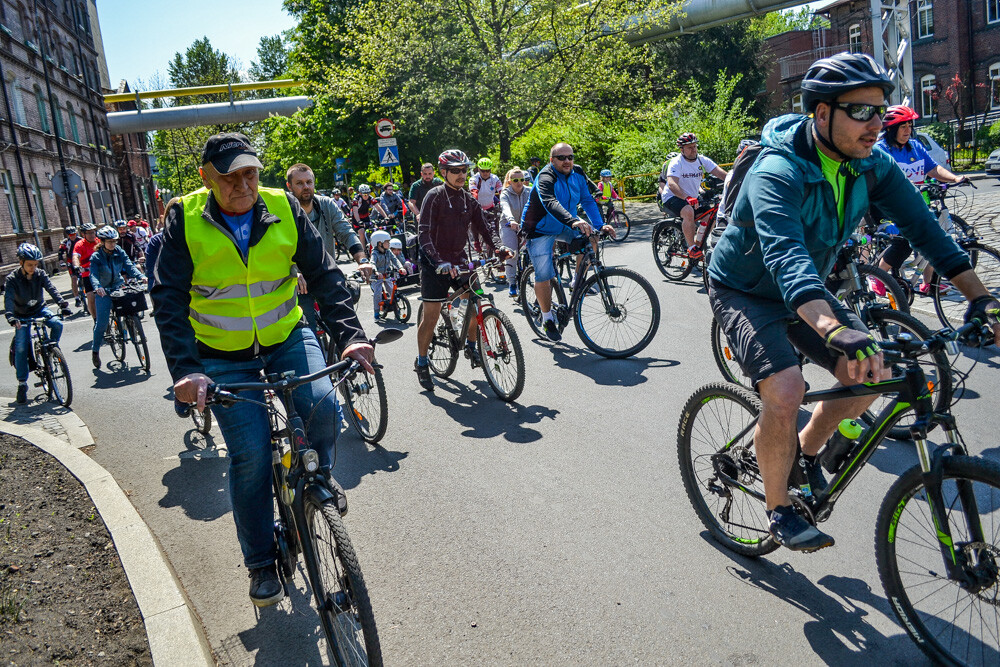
x=617, y=313
x=402, y=309
x=953, y=624
x=500, y=351
x=622, y=226
x=715, y=449
x=60, y=387
x=366, y=403
x=442, y=355
x=138, y=337
x=339, y=589
x=949, y=303
x=116, y=337
x=202, y=420
x=670, y=251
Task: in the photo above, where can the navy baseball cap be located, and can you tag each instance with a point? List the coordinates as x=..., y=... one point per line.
x=229, y=152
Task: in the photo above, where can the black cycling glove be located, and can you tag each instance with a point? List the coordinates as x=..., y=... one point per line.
x=12, y=321
x=852, y=344
x=986, y=309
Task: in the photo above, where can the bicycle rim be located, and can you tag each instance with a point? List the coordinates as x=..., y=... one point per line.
x=950, y=624
x=58, y=372
x=402, y=308
x=500, y=351
x=670, y=252
x=622, y=227
x=725, y=357
x=339, y=589
x=715, y=452
x=117, y=338
x=529, y=302
x=620, y=322
x=442, y=357
x=139, y=341
x=951, y=305
x=367, y=405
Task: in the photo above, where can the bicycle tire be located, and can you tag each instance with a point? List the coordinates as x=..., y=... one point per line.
x=339, y=588
x=202, y=420
x=700, y=469
x=627, y=288
x=905, y=536
x=402, y=309
x=725, y=358
x=895, y=296
x=950, y=307
x=670, y=251
x=138, y=336
x=622, y=226
x=367, y=405
x=60, y=386
x=442, y=357
x=116, y=338
x=529, y=302
x=501, y=347
x=885, y=324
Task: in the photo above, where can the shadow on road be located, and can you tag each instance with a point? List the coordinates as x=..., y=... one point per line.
x=488, y=417
x=839, y=632
x=114, y=374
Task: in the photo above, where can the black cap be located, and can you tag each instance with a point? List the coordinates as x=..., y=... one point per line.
x=229, y=152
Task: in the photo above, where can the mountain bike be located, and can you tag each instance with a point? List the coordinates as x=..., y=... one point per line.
x=937, y=534
x=48, y=363
x=670, y=248
x=307, y=521
x=615, y=310
x=392, y=300
x=498, y=345
x=124, y=325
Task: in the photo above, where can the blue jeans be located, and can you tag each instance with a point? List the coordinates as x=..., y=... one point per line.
x=540, y=251
x=247, y=432
x=22, y=341
x=102, y=306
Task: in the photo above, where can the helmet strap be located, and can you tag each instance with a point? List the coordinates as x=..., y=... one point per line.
x=828, y=143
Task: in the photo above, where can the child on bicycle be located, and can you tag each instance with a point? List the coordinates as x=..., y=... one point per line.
x=385, y=264
x=396, y=246
x=606, y=190
x=23, y=299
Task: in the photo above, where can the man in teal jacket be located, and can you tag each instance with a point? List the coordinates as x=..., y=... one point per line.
x=800, y=201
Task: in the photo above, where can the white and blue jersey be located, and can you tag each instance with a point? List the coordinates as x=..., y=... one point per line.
x=912, y=158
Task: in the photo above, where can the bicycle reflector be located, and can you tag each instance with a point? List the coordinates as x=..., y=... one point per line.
x=311, y=460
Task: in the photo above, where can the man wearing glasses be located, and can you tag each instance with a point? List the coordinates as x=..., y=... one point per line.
x=550, y=216
x=680, y=184
x=449, y=217
x=800, y=201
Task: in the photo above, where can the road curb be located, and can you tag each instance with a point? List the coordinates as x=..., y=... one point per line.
x=175, y=634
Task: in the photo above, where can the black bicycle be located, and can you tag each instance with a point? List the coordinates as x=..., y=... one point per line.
x=498, y=346
x=937, y=535
x=124, y=326
x=307, y=521
x=615, y=310
x=48, y=362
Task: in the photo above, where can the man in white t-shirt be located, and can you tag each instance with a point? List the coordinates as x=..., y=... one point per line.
x=680, y=183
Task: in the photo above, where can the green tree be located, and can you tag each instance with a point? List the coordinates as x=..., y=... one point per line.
x=272, y=60
x=775, y=23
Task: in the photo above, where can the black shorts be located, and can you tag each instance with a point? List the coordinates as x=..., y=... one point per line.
x=764, y=336
x=675, y=204
x=897, y=252
x=435, y=286
x=85, y=283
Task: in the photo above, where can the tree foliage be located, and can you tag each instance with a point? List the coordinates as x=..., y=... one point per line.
x=775, y=23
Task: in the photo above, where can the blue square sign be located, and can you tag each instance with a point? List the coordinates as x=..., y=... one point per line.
x=388, y=156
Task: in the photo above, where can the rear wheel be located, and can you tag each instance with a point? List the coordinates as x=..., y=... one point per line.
x=202, y=420
x=670, y=251
x=622, y=319
x=622, y=226
x=367, y=405
x=116, y=337
x=500, y=351
x=60, y=387
x=725, y=358
x=949, y=303
x=529, y=302
x=339, y=589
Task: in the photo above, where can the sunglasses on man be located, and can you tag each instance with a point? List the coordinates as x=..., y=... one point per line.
x=564, y=158
x=861, y=112
x=458, y=170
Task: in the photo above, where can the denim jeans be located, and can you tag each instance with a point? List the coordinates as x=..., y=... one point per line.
x=247, y=432
x=22, y=341
x=102, y=307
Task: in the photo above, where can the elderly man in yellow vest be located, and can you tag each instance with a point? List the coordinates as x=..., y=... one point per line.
x=226, y=308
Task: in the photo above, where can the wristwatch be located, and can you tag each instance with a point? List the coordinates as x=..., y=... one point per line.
x=364, y=260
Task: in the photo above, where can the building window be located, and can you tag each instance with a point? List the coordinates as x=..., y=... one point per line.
x=60, y=127
x=995, y=86
x=18, y=104
x=43, y=110
x=992, y=11
x=928, y=89
x=925, y=18
x=8, y=193
x=797, y=103
x=854, y=38
x=36, y=195
x=72, y=123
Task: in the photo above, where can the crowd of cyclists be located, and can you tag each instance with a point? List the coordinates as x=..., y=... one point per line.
x=249, y=263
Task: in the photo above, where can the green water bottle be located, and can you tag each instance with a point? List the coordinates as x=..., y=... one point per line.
x=840, y=444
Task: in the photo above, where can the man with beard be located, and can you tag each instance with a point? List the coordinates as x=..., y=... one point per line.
x=421, y=187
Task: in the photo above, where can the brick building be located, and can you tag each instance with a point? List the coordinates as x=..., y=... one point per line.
x=53, y=117
x=135, y=178
x=949, y=37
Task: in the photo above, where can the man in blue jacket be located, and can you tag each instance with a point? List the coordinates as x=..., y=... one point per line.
x=550, y=216
x=800, y=201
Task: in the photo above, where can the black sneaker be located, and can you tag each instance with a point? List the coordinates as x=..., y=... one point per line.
x=472, y=354
x=265, y=588
x=424, y=376
x=551, y=330
x=95, y=356
x=792, y=531
x=22, y=393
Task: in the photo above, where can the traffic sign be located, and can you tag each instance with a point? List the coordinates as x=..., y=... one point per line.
x=388, y=156
x=72, y=179
x=384, y=128
x=382, y=143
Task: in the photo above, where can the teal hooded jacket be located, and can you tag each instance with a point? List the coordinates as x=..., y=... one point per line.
x=785, y=231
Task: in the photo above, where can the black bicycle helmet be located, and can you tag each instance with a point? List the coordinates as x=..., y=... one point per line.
x=29, y=251
x=686, y=138
x=829, y=78
x=453, y=158
x=70, y=230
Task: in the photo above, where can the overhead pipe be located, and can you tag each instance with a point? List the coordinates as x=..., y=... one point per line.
x=700, y=15
x=229, y=88
x=172, y=118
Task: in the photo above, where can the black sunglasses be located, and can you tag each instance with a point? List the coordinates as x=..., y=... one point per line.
x=861, y=112
x=564, y=158
x=458, y=170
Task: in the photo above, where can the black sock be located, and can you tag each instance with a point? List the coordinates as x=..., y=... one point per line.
x=811, y=460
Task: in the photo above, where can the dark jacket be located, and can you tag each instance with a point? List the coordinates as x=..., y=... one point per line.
x=783, y=238
x=174, y=268
x=553, y=202
x=23, y=298
x=448, y=218
x=106, y=268
x=152, y=253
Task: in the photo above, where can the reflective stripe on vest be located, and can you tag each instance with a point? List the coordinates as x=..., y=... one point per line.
x=235, y=303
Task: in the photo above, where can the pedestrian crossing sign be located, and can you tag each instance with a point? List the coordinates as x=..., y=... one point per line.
x=389, y=156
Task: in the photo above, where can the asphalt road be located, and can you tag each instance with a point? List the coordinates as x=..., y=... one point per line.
x=552, y=531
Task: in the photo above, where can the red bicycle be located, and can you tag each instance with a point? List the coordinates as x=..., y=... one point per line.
x=392, y=300
x=670, y=249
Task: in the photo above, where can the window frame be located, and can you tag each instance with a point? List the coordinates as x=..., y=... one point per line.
x=36, y=194
x=993, y=74
x=854, y=38
x=43, y=110
x=7, y=184
x=925, y=91
x=796, y=101
x=992, y=7
x=925, y=8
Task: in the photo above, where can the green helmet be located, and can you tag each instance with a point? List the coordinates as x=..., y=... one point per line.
x=485, y=164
